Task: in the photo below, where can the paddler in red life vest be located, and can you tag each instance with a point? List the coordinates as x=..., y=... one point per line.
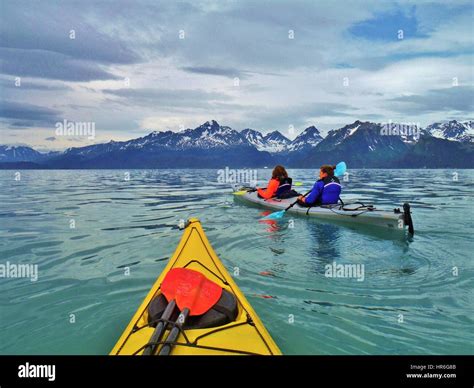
x=326, y=190
x=279, y=186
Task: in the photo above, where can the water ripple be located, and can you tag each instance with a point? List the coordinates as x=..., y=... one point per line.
x=416, y=296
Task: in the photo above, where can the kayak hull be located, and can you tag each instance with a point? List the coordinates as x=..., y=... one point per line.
x=362, y=216
x=245, y=335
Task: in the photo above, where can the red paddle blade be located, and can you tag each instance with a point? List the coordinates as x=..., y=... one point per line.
x=191, y=289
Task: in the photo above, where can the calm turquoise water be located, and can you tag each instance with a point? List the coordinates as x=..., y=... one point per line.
x=133, y=224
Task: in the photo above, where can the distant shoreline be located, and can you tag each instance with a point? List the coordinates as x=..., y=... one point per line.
x=43, y=168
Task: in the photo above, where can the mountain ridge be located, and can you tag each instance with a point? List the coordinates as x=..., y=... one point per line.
x=362, y=143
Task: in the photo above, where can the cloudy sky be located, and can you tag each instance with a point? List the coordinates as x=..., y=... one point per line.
x=131, y=67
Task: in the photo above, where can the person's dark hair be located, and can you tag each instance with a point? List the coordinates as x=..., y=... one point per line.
x=279, y=172
x=328, y=169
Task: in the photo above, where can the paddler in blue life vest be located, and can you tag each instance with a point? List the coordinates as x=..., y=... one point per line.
x=326, y=190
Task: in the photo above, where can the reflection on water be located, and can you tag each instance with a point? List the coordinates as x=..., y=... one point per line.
x=132, y=226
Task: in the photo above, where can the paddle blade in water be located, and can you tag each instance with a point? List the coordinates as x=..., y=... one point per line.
x=340, y=169
x=242, y=192
x=298, y=184
x=191, y=289
x=275, y=215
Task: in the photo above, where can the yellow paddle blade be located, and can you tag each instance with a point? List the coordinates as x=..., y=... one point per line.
x=243, y=192
x=298, y=183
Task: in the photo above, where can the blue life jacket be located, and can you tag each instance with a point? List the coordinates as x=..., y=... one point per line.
x=325, y=192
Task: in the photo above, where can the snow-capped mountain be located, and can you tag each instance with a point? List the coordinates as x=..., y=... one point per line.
x=409, y=133
x=363, y=140
x=208, y=145
x=453, y=130
x=309, y=138
x=208, y=135
x=19, y=154
x=254, y=137
x=276, y=142
x=337, y=136
x=367, y=145
x=373, y=135
x=271, y=142
x=360, y=144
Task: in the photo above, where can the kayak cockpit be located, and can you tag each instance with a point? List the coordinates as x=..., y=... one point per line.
x=230, y=327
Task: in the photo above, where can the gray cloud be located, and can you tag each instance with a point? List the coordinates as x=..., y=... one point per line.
x=44, y=64
x=28, y=85
x=244, y=39
x=26, y=115
x=459, y=98
x=228, y=72
x=46, y=26
x=35, y=41
x=218, y=105
x=187, y=98
x=255, y=35
x=299, y=116
x=370, y=117
x=219, y=71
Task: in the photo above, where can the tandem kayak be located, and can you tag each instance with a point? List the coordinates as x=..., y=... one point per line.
x=351, y=213
x=228, y=328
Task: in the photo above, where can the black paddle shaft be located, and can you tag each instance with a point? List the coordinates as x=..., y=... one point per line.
x=160, y=329
x=294, y=203
x=173, y=335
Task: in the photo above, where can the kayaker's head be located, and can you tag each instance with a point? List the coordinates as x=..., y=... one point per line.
x=279, y=173
x=326, y=171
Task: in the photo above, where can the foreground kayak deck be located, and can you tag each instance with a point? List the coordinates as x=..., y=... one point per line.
x=361, y=216
x=245, y=335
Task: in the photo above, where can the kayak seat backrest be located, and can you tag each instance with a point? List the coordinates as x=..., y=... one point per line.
x=223, y=312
